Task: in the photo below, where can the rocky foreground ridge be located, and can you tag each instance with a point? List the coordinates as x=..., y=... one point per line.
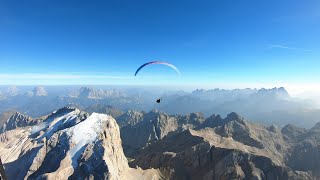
x=73, y=144
x=68, y=144
x=192, y=146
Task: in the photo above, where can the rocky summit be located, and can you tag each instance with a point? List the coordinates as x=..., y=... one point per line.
x=68, y=144
x=72, y=144
x=18, y=120
x=194, y=147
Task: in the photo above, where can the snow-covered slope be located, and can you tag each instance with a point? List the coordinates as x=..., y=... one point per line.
x=68, y=143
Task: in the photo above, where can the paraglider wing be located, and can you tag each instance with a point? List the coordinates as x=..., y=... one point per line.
x=158, y=62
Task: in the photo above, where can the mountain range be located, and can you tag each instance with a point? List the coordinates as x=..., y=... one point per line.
x=74, y=144
x=266, y=106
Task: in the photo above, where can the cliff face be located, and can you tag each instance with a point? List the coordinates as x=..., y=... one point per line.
x=234, y=148
x=18, y=120
x=304, y=154
x=140, y=129
x=68, y=144
x=191, y=155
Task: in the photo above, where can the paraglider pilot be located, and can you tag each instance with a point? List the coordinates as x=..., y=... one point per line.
x=158, y=62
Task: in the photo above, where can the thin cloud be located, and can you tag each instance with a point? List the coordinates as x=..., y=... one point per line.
x=59, y=76
x=73, y=79
x=279, y=46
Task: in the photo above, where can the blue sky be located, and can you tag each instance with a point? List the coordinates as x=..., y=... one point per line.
x=213, y=43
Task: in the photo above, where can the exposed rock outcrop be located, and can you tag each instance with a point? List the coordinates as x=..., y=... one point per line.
x=304, y=154
x=91, y=93
x=233, y=148
x=141, y=131
x=68, y=143
x=130, y=118
x=204, y=155
x=18, y=120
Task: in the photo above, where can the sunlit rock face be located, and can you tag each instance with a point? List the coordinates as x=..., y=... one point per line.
x=68, y=143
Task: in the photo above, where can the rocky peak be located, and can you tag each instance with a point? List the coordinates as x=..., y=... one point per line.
x=212, y=121
x=291, y=131
x=64, y=110
x=234, y=117
x=94, y=148
x=85, y=92
x=67, y=108
x=281, y=92
x=273, y=128
x=39, y=91
x=155, y=111
x=18, y=120
x=273, y=93
x=91, y=93
x=304, y=153
x=154, y=115
x=12, y=91
x=145, y=129
x=192, y=120
x=196, y=115
x=240, y=130
x=218, y=117
x=68, y=146
x=60, y=112
x=316, y=127
x=216, y=120
x=130, y=118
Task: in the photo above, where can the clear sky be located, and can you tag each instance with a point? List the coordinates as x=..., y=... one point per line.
x=226, y=43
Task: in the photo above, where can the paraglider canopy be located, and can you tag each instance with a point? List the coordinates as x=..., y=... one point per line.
x=158, y=62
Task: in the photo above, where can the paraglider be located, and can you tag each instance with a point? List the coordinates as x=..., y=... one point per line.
x=158, y=62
